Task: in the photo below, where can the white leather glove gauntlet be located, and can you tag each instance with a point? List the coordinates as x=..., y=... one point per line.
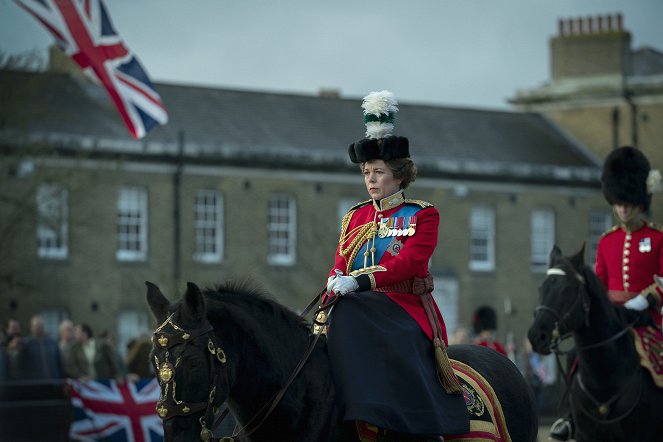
x=637, y=303
x=343, y=285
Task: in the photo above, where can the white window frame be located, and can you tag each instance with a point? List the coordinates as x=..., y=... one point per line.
x=132, y=215
x=542, y=239
x=599, y=222
x=208, y=226
x=131, y=324
x=281, y=230
x=446, y=296
x=482, y=238
x=52, y=221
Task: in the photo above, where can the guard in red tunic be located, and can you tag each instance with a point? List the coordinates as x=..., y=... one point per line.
x=484, y=322
x=386, y=336
x=631, y=253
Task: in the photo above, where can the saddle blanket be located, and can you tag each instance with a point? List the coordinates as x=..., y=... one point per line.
x=487, y=423
x=649, y=343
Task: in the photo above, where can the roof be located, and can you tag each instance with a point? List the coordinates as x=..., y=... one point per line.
x=294, y=130
x=646, y=61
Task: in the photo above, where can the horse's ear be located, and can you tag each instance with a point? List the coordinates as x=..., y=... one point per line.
x=555, y=254
x=157, y=301
x=194, y=302
x=578, y=260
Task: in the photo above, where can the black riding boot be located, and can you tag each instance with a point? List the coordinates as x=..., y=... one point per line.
x=562, y=429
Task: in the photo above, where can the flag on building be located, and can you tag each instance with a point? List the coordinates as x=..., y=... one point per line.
x=83, y=30
x=105, y=410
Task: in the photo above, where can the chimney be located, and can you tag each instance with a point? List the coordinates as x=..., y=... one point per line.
x=590, y=47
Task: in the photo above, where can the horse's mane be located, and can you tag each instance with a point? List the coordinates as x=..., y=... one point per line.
x=252, y=299
x=625, y=316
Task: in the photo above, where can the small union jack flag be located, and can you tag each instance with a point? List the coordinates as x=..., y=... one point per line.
x=83, y=30
x=105, y=410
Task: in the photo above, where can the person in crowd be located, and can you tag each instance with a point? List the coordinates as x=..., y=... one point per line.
x=461, y=335
x=66, y=339
x=138, y=358
x=386, y=336
x=92, y=358
x=39, y=355
x=484, y=323
x=12, y=346
x=629, y=256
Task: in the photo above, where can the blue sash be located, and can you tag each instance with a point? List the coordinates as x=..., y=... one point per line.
x=381, y=244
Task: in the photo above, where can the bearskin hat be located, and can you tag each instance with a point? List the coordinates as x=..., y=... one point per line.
x=379, y=115
x=624, y=178
x=484, y=318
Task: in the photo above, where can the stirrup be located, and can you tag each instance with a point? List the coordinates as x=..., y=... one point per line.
x=561, y=429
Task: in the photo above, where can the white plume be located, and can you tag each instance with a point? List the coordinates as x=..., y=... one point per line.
x=654, y=181
x=379, y=103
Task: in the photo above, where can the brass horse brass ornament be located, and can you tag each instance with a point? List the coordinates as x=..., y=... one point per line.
x=163, y=341
x=166, y=372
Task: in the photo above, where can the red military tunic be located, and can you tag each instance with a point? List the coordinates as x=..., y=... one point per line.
x=411, y=228
x=626, y=262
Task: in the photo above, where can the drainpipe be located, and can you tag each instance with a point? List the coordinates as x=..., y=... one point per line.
x=615, y=127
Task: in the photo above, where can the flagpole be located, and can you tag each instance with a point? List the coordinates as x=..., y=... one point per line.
x=177, y=184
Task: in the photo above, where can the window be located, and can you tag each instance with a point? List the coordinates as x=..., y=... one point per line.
x=131, y=324
x=132, y=224
x=445, y=294
x=599, y=222
x=208, y=225
x=344, y=206
x=52, y=229
x=482, y=238
x=281, y=228
x=543, y=238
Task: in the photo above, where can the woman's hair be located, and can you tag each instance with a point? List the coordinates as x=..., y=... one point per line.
x=403, y=169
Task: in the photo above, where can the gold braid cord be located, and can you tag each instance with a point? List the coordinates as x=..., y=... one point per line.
x=359, y=234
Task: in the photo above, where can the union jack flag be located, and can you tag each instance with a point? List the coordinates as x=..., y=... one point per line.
x=84, y=32
x=105, y=410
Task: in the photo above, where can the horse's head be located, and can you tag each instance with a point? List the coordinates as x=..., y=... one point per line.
x=563, y=304
x=186, y=358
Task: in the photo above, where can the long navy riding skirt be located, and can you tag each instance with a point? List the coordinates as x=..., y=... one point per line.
x=384, y=369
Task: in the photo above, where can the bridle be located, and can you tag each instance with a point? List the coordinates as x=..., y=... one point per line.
x=170, y=407
x=179, y=336
x=559, y=332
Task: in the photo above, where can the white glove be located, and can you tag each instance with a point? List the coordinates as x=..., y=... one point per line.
x=637, y=303
x=343, y=285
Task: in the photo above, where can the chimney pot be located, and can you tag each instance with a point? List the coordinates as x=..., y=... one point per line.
x=590, y=24
x=609, y=24
x=619, y=22
x=599, y=25
x=569, y=26
x=579, y=22
x=560, y=27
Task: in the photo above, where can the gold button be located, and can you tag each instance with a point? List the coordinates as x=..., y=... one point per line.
x=626, y=284
x=625, y=275
x=627, y=252
x=626, y=260
x=628, y=236
x=626, y=268
x=627, y=245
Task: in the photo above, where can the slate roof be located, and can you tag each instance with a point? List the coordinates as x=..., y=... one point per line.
x=286, y=130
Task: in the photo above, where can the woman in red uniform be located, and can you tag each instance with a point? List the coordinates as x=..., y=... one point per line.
x=386, y=331
x=630, y=254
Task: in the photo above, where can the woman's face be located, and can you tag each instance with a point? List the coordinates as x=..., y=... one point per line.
x=626, y=212
x=379, y=179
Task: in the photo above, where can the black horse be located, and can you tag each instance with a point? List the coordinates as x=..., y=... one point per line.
x=612, y=398
x=236, y=346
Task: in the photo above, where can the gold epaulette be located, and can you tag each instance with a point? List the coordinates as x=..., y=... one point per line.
x=610, y=230
x=421, y=203
x=358, y=205
x=655, y=226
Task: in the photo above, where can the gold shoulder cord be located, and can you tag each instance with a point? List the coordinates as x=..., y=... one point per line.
x=361, y=234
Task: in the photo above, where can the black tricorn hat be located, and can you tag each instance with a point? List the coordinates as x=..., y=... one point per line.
x=624, y=178
x=484, y=318
x=388, y=148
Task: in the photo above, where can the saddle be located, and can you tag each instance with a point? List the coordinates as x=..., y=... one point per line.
x=487, y=421
x=649, y=344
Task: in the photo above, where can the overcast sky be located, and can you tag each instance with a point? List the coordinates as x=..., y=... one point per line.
x=466, y=53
